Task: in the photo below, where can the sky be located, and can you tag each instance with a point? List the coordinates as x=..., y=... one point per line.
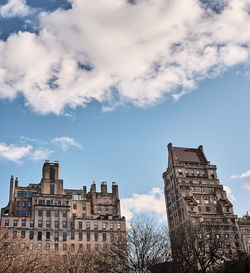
x=104, y=86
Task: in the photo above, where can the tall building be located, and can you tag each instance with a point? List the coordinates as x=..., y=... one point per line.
x=47, y=216
x=244, y=225
x=193, y=193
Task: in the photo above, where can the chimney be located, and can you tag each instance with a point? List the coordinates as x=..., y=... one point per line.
x=16, y=182
x=11, y=188
x=104, y=187
x=115, y=189
x=84, y=189
x=93, y=187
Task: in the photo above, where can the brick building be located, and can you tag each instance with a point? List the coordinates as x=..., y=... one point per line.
x=47, y=216
x=193, y=193
x=244, y=225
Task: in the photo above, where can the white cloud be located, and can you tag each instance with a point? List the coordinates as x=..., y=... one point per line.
x=246, y=178
x=13, y=152
x=152, y=203
x=132, y=53
x=14, y=8
x=229, y=193
x=17, y=153
x=65, y=142
x=40, y=154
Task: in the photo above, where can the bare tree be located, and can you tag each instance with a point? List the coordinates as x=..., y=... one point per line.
x=197, y=247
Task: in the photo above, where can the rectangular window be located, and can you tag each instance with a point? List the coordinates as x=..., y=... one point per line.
x=87, y=225
x=56, y=236
x=48, y=213
x=80, y=236
x=107, y=210
x=23, y=234
x=72, y=225
x=74, y=215
x=24, y=204
x=40, y=212
x=104, y=226
x=52, y=188
x=95, y=225
x=7, y=223
x=96, y=236
x=47, y=246
x=206, y=201
x=31, y=235
x=64, y=224
x=72, y=235
x=84, y=206
x=40, y=223
x=48, y=224
x=80, y=225
x=18, y=203
x=48, y=202
x=56, y=224
x=208, y=209
x=31, y=223
x=75, y=206
x=100, y=210
x=24, y=223
x=64, y=213
x=56, y=246
x=119, y=226
x=57, y=213
x=39, y=235
x=104, y=236
x=112, y=237
x=29, y=204
x=56, y=202
x=47, y=235
x=119, y=237
x=64, y=236
x=15, y=223
x=88, y=236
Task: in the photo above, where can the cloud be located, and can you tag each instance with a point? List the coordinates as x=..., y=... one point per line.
x=40, y=154
x=229, y=193
x=246, y=178
x=116, y=52
x=15, y=8
x=152, y=203
x=65, y=142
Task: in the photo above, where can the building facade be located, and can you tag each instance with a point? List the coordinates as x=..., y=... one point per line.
x=244, y=225
x=47, y=216
x=193, y=193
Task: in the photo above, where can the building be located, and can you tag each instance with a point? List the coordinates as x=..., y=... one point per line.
x=244, y=225
x=47, y=216
x=193, y=193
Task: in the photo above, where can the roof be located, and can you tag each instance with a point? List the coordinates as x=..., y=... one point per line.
x=189, y=155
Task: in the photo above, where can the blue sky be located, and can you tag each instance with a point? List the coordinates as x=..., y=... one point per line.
x=76, y=88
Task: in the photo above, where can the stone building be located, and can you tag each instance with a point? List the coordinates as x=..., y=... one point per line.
x=244, y=225
x=193, y=193
x=47, y=216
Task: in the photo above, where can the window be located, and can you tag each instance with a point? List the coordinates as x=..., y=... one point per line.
x=31, y=235
x=197, y=201
x=88, y=236
x=40, y=212
x=95, y=225
x=217, y=236
x=74, y=215
x=29, y=204
x=52, y=173
x=80, y=236
x=100, y=210
x=56, y=224
x=206, y=201
x=75, y=206
x=52, y=188
x=207, y=209
x=202, y=189
x=119, y=226
x=84, y=206
x=56, y=246
x=64, y=246
x=23, y=234
x=64, y=236
x=24, y=223
x=56, y=213
x=72, y=235
x=111, y=226
x=15, y=223
x=47, y=246
x=18, y=203
x=72, y=225
x=227, y=209
x=104, y=226
x=14, y=234
x=104, y=236
x=48, y=224
x=226, y=236
x=112, y=237
x=87, y=225
x=40, y=223
x=96, y=236
x=236, y=236
x=56, y=202
x=31, y=223
x=64, y=213
x=56, y=236
x=107, y=210
x=48, y=202
x=48, y=213
x=119, y=237
x=47, y=235
x=24, y=204
x=7, y=223
x=64, y=224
